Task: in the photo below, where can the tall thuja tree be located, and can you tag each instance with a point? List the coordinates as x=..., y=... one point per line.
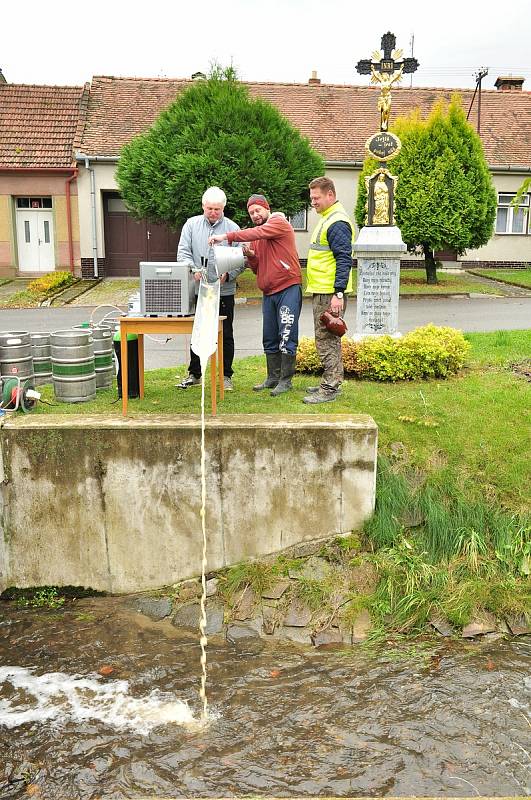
x=214, y=133
x=445, y=197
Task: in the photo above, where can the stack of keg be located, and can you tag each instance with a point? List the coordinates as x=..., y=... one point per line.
x=42, y=357
x=73, y=370
x=16, y=358
x=82, y=362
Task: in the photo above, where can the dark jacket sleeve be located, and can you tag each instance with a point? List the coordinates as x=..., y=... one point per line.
x=339, y=237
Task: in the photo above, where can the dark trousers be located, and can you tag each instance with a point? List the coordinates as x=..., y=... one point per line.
x=281, y=312
x=226, y=309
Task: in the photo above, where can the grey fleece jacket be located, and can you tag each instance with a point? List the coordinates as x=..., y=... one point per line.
x=193, y=245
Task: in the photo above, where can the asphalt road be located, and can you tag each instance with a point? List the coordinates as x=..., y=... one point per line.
x=478, y=313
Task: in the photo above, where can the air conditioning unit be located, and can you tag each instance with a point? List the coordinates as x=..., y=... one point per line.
x=166, y=289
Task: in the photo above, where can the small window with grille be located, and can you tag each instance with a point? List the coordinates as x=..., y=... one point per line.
x=299, y=221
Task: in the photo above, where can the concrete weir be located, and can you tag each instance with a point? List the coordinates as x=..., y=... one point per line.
x=113, y=504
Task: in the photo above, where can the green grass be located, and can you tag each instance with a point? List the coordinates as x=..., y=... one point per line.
x=471, y=430
x=412, y=281
x=517, y=277
x=114, y=291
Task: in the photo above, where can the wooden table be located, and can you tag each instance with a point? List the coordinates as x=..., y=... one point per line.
x=165, y=325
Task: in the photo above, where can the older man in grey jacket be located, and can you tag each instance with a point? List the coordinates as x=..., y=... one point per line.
x=194, y=249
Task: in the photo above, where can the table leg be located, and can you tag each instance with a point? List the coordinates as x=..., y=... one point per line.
x=141, y=363
x=125, y=370
x=213, y=383
x=221, y=364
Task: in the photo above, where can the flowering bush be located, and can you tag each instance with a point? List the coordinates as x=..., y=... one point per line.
x=427, y=352
x=51, y=283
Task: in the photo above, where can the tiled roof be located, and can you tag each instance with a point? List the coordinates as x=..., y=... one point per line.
x=39, y=124
x=337, y=119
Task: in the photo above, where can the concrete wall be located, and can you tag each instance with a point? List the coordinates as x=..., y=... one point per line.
x=114, y=503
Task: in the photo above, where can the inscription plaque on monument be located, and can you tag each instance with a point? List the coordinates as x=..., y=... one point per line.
x=377, y=301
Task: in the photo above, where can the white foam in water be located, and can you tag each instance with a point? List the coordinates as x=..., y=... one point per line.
x=60, y=697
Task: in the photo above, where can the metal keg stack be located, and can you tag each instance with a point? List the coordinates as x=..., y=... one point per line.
x=73, y=366
x=42, y=357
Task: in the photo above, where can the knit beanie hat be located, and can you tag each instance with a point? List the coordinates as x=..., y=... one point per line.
x=258, y=200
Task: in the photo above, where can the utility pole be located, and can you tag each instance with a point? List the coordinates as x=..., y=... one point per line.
x=412, y=44
x=479, y=75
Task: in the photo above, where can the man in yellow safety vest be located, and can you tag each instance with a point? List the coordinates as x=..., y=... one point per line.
x=329, y=273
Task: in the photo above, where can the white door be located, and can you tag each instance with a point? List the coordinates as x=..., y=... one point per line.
x=35, y=240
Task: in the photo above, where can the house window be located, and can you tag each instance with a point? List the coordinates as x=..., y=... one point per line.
x=34, y=202
x=299, y=221
x=509, y=218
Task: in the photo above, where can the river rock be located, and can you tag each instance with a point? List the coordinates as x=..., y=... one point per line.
x=276, y=591
x=298, y=614
x=189, y=615
x=269, y=620
x=486, y=623
x=236, y=632
x=188, y=590
x=155, y=608
x=303, y=550
x=327, y=637
x=314, y=569
x=518, y=625
x=298, y=635
x=361, y=627
x=245, y=606
x=212, y=587
x=442, y=626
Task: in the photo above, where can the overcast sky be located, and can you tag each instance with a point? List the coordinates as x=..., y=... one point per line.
x=281, y=40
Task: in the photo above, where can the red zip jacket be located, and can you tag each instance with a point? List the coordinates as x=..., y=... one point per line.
x=275, y=263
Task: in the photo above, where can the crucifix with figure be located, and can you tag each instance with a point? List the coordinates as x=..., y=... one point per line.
x=386, y=68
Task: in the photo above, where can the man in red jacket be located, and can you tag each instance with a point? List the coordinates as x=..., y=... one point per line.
x=274, y=260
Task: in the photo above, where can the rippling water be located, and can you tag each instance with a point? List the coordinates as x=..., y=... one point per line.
x=450, y=720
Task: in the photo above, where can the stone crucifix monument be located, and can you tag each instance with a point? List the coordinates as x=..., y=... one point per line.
x=379, y=244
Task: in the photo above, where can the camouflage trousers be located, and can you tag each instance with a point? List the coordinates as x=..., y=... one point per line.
x=328, y=346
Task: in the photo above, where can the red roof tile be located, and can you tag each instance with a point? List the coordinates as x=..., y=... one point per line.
x=39, y=124
x=337, y=119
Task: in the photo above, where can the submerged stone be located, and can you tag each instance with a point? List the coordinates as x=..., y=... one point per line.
x=327, y=637
x=298, y=635
x=152, y=607
x=189, y=615
x=236, y=632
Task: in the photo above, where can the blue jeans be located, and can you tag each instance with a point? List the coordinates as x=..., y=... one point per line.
x=281, y=312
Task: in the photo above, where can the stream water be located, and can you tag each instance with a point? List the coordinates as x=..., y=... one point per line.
x=450, y=720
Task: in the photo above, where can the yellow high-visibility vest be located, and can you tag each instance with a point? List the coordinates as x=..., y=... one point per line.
x=321, y=267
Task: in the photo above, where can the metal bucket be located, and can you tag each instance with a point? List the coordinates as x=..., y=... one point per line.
x=73, y=369
x=16, y=359
x=42, y=357
x=227, y=258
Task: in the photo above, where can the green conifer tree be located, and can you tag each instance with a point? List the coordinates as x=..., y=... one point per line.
x=445, y=197
x=216, y=134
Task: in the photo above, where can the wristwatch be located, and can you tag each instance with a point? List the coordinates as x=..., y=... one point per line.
x=339, y=295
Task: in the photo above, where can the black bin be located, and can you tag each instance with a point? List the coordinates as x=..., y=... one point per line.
x=133, y=377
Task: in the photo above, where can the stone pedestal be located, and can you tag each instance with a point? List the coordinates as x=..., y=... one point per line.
x=378, y=250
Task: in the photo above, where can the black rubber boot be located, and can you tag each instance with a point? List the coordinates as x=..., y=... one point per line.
x=273, y=372
x=287, y=371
